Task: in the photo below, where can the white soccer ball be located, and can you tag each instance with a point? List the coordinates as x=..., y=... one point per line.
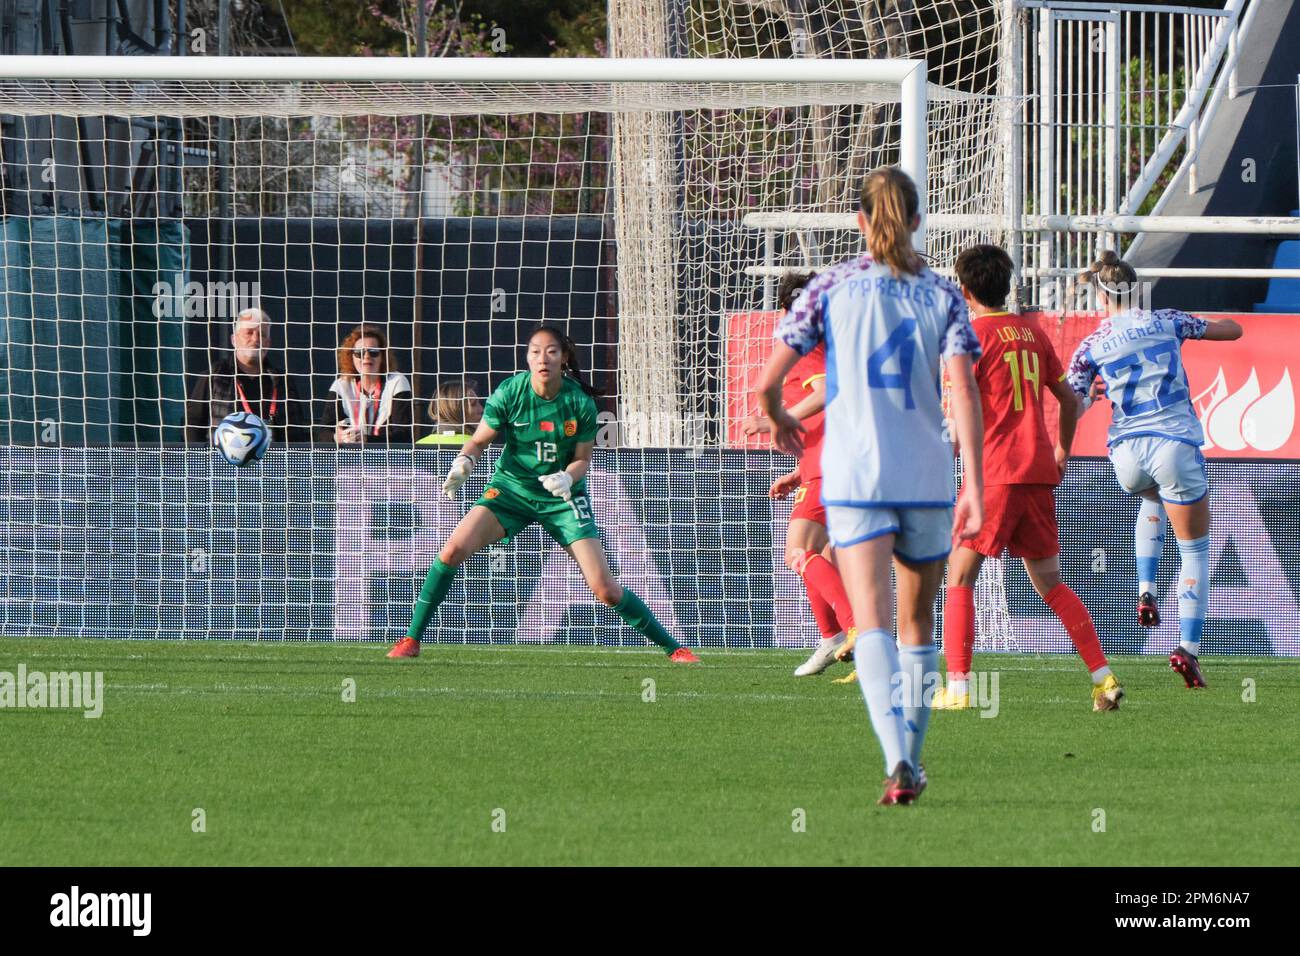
x=241, y=439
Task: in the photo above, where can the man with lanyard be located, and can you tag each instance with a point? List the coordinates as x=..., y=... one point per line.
x=249, y=382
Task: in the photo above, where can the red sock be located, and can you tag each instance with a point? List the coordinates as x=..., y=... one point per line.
x=958, y=628
x=823, y=613
x=825, y=587
x=1065, y=604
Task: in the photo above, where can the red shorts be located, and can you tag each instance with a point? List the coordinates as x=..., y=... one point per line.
x=808, y=503
x=1018, y=518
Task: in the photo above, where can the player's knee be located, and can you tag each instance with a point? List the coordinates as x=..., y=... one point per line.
x=1044, y=576
x=795, y=558
x=607, y=592
x=1045, y=586
x=453, y=554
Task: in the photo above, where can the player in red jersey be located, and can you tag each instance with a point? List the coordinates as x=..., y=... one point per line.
x=1021, y=471
x=807, y=545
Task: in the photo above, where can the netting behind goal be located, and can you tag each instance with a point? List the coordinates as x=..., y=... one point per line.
x=814, y=162
x=140, y=216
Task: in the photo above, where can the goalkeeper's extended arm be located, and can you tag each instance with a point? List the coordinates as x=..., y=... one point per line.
x=458, y=475
x=467, y=459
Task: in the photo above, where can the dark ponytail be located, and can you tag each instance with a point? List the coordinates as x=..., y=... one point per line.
x=569, y=366
x=792, y=283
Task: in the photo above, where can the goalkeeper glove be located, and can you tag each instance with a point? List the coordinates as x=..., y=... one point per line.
x=557, y=484
x=460, y=469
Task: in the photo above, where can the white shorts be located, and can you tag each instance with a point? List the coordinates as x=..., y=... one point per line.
x=1175, y=468
x=923, y=534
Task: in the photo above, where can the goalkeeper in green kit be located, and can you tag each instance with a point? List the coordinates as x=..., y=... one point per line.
x=547, y=420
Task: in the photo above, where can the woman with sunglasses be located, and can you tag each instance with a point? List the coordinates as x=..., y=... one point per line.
x=373, y=404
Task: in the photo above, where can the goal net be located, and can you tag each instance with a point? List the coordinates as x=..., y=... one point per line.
x=452, y=205
x=804, y=210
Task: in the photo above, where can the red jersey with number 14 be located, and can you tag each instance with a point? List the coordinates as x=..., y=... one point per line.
x=1014, y=372
x=797, y=387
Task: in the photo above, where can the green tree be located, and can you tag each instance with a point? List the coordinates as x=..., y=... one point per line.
x=339, y=28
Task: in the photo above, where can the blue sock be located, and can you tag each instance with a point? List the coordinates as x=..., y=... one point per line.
x=1149, y=544
x=876, y=657
x=921, y=665
x=1193, y=592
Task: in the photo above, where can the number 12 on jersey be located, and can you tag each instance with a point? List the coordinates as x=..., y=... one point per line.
x=1024, y=368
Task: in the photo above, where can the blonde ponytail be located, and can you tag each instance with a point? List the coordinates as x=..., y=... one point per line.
x=890, y=202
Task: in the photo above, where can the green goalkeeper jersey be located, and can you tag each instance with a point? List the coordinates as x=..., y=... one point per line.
x=540, y=436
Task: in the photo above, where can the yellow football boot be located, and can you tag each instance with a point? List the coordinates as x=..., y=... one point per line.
x=945, y=699
x=1107, y=694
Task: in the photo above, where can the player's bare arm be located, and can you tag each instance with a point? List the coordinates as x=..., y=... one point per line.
x=483, y=436
x=969, y=419
x=815, y=401
x=581, y=463
x=1069, y=420
x=787, y=433
x=1222, y=330
x=784, y=486
x=810, y=406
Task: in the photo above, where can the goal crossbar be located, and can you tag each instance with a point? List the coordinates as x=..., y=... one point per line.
x=343, y=86
x=459, y=69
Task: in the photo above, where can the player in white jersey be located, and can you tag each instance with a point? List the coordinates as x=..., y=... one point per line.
x=1155, y=440
x=889, y=323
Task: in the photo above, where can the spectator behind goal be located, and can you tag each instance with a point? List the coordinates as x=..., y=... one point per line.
x=248, y=381
x=372, y=403
x=455, y=411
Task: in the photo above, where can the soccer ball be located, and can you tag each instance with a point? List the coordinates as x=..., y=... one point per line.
x=241, y=438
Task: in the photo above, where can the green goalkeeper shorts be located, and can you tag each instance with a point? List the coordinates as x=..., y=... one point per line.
x=565, y=521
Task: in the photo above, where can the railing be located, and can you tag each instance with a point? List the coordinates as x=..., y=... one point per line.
x=1113, y=95
x=774, y=222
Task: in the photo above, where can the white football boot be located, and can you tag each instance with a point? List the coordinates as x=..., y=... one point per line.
x=822, y=658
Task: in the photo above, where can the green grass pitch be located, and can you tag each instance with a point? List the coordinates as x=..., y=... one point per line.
x=549, y=755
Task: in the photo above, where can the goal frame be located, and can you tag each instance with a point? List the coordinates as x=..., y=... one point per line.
x=909, y=75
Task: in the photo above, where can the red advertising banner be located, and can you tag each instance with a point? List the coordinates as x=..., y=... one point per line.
x=1243, y=391
x=749, y=346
